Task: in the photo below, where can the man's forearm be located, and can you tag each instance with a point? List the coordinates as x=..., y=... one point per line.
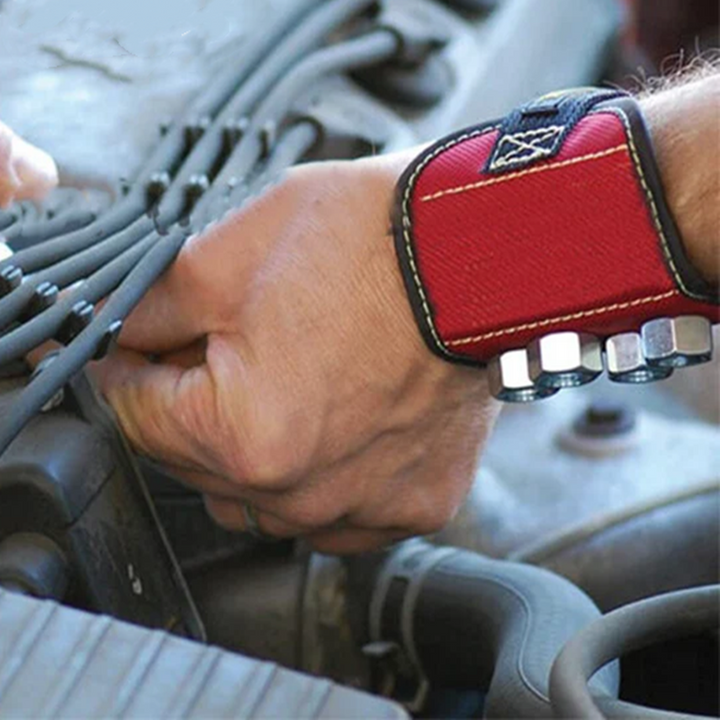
x=685, y=126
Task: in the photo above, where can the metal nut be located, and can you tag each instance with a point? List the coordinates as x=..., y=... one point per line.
x=626, y=361
x=677, y=342
x=565, y=359
x=509, y=378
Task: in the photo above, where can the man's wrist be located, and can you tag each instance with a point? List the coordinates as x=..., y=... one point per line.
x=685, y=126
x=551, y=225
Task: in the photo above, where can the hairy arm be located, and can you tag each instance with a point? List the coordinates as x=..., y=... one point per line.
x=684, y=120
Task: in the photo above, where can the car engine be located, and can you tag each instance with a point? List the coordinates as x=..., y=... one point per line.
x=583, y=569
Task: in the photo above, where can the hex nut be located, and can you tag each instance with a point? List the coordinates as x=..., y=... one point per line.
x=677, y=342
x=565, y=359
x=509, y=379
x=626, y=361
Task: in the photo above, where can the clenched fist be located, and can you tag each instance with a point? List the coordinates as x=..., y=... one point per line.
x=26, y=173
x=287, y=371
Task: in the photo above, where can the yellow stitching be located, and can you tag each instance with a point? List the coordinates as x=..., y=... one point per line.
x=553, y=133
x=521, y=173
x=407, y=226
x=566, y=318
x=650, y=199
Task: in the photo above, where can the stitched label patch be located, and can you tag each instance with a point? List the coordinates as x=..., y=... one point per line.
x=522, y=148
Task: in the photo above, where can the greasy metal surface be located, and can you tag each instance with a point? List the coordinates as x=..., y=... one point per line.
x=78, y=91
x=533, y=483
x=57, y=662
x=93, y=91
x=616, y=560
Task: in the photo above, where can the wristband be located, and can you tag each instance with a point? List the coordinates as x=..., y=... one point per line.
x=542, y=246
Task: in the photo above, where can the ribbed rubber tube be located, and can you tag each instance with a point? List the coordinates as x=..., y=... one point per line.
x=469, y=622
x=635, y=626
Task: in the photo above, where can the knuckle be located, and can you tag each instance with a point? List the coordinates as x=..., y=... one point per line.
x=188, y=270
x=316, y=510
x=430, y=523
x=263, y=456
x=432, y=518
x=142, y=430
x=223, y=514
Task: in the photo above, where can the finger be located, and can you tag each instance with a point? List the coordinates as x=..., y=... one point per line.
x=25, y=171
x=166, y=412
x=351, y=541
x=208, y=483
x=188, y=357
x=304, y=506
x=35, y=357
x=9, y=180
x=35, y=169
x=279, y=505
x=170, y=316
x=202, y=290
x=232, y=515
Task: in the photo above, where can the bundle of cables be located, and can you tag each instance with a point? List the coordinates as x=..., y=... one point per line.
x=234, y=139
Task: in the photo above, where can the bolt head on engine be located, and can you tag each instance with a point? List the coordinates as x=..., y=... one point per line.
x=509, y=378
x=626, y=361
x=677, y=342
x=565, y=359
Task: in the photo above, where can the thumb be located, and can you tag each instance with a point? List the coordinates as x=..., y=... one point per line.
x=165, y=411
x=26, y=172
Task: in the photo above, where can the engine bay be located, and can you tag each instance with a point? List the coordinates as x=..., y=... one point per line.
x=584, y=564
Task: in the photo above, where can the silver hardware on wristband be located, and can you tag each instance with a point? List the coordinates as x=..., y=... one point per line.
x=565, y=359
x=509, y=379
x=626, y=361
x=677, y=342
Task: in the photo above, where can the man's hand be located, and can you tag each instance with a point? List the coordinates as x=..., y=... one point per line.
x=26, y=173
x=291, y=374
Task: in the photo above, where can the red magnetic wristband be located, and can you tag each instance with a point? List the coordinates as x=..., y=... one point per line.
x=550, y=221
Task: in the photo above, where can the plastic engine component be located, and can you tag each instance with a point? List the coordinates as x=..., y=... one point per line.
x=60, y=662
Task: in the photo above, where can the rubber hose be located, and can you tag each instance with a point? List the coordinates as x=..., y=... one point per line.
x=469, y=622
x=632, y=627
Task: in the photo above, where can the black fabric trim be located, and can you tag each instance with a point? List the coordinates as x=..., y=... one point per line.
x=416, y=302
x=701, y=290
x=536, y=132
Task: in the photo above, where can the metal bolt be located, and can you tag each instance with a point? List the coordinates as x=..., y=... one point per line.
x=626, y=361
x=677, y=342
x=108, y=340
x=268, y=137
x=234, y=132
x=10, y=279
x=194, y=131
x=45, y=296
x=194, y=189
x=157, y=186
x=80, y=316
x=509, y=378
x=565, y=359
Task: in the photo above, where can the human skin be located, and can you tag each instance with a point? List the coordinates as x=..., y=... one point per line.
x=287, y=370
x=26, y=173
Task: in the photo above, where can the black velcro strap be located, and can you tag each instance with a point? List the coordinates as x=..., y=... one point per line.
x=536, y=131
